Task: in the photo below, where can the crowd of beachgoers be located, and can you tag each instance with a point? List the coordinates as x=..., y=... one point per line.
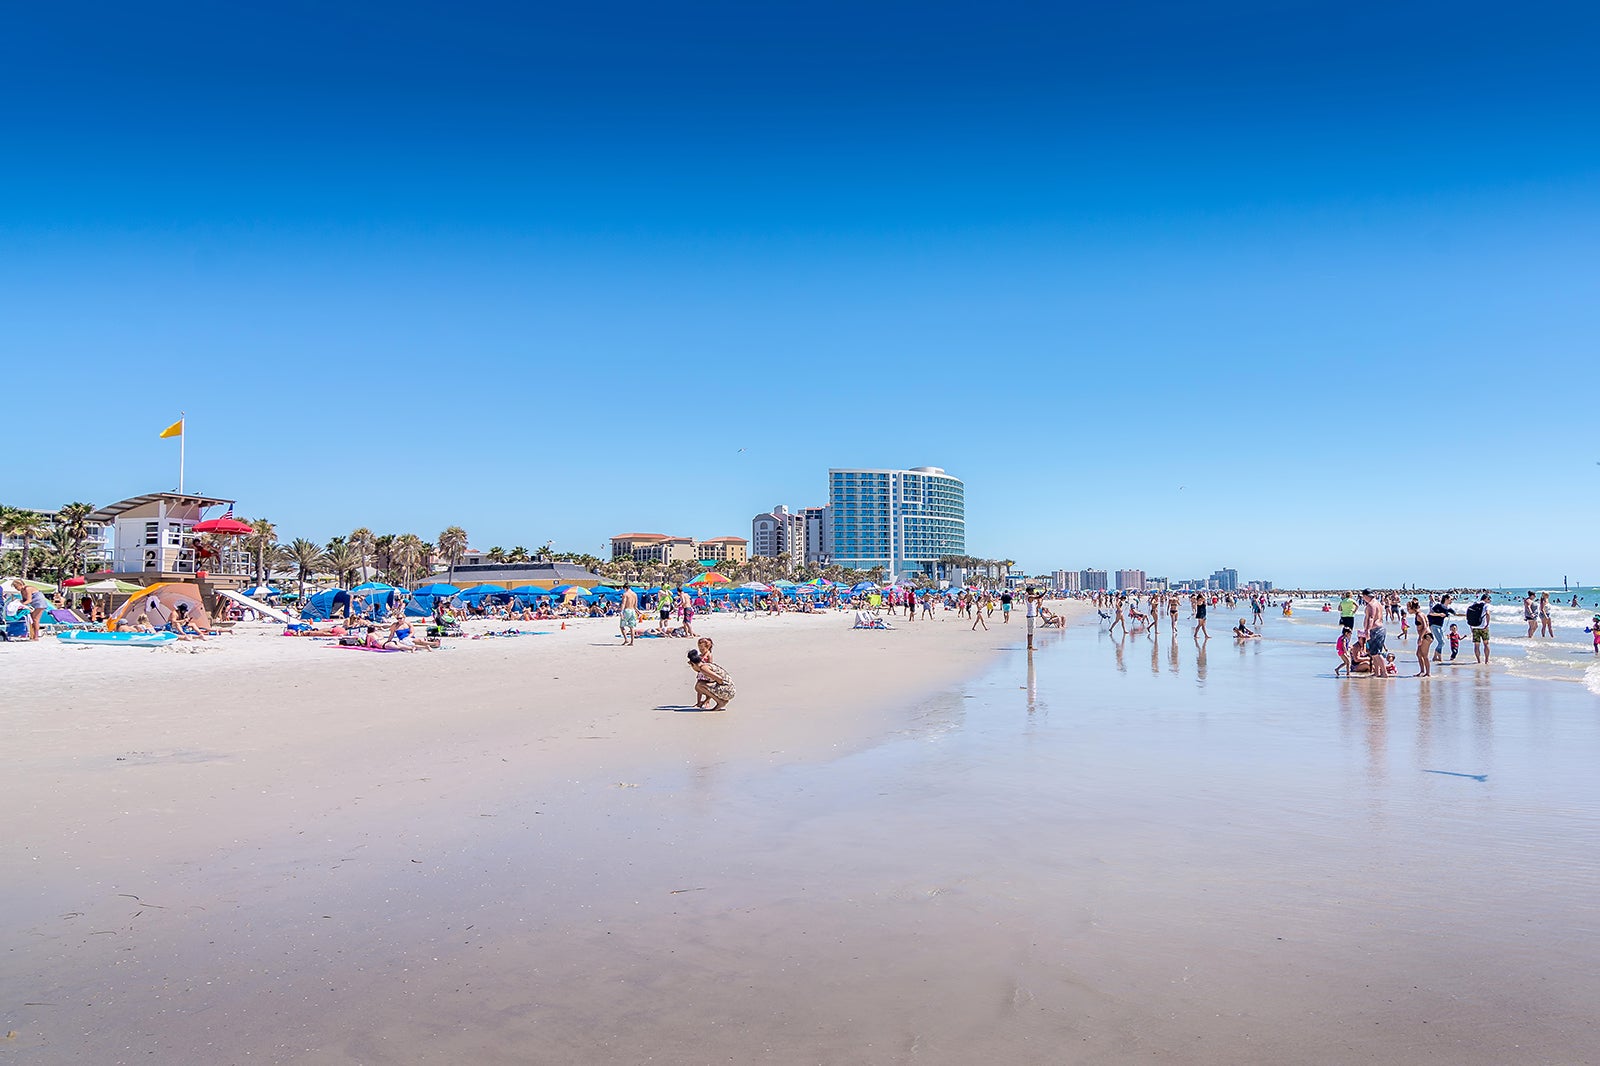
x=1365, y=619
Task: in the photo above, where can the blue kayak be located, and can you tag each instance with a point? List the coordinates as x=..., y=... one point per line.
x=124, y=640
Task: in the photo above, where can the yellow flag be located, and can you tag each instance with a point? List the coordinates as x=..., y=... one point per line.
x=174, y=430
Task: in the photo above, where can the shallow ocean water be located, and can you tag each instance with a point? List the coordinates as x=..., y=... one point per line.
x=1114, y=850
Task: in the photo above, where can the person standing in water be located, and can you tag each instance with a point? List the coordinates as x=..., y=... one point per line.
x=1478, y=622
x=1200, y=618
x=1546, y=626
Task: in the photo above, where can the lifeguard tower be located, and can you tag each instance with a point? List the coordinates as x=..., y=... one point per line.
x=159, y=538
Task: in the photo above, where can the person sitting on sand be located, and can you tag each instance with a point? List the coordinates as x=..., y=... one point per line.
x=1242, y=631
x=143, y=624
x=711, y=681
x=181, y=625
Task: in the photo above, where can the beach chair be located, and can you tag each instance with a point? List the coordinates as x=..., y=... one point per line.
x=60, y=619
x=865, y=619
x=16, y=628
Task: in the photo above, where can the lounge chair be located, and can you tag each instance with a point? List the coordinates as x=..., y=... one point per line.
x=60, y=619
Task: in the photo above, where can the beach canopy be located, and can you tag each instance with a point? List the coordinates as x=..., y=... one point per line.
x=478, y=593
x=112, y=585
x=529, y=591
x=372, y=586
x=160, y=603
x=438, y=588
x=711, y=577
x=33, y=582
x=263, y=590
x=756, y=586
x=863, y=586
x=562, y=590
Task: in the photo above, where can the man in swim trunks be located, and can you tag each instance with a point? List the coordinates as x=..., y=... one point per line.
x=630, y=615
x=1478, y=622
x=1372, y=628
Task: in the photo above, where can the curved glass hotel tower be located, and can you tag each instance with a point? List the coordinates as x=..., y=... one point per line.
x=901, y=520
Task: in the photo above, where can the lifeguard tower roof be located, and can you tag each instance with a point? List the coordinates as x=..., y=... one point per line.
x=175, y=502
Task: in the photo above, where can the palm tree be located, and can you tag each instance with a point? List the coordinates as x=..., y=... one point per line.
x=307, y=557
x=452, y=542
x=519, y=554
x=74, y=518
x=261, y=540
x=23, y=523
x=407, y=554
x=362, y=540
x=495, y=554
x=342, y=560
x=383, y=555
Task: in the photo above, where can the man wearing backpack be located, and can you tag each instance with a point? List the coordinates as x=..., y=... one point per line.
x=1478, y=622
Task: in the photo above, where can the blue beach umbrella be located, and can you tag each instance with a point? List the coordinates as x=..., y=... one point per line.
x=437, y=589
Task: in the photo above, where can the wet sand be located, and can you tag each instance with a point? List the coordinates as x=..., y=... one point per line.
x=1121, y=852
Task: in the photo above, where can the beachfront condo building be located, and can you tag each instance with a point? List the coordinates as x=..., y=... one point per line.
x=779, y=531
x=654, y=548
x=1067, y=581
x=1130, y=580
x=1092, y=580
x=800, y=535
x=734, y=550
x=96, y=541
x=902, y=520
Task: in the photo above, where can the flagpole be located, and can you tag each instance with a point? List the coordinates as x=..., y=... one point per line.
x=183, y=439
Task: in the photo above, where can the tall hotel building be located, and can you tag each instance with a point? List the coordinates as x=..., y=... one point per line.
x=901, y=520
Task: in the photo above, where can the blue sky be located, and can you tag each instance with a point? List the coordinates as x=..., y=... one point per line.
x=1305, y=289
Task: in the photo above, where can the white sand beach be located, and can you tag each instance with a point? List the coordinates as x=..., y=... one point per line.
x=187, y=776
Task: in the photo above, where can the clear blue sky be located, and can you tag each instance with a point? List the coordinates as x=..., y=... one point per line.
x=1307, y=289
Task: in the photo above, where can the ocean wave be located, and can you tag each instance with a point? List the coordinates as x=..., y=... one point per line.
x=1591, y=679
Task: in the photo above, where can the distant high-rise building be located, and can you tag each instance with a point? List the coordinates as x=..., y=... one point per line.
x=1067, y=581
x=779, y=532
x=1156, y=584
x=902, y=520
x=1092, y=580
x=1130, y=580
x=1226, y=580
x=819, y=534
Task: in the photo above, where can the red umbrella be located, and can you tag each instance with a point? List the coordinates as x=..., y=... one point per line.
x=230, y=527
x=74, y=582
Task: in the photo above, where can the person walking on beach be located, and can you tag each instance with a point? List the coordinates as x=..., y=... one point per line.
x=1478, y=622
x=686, y=611
x=1119, y=620
x=630, y=615
x=1437, y=613
x=1255, y=609
x=1546, y=627
x=927, y=605
x=1200, y=618
x=664, y=609
x=977, y=618
x=1005, y=607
